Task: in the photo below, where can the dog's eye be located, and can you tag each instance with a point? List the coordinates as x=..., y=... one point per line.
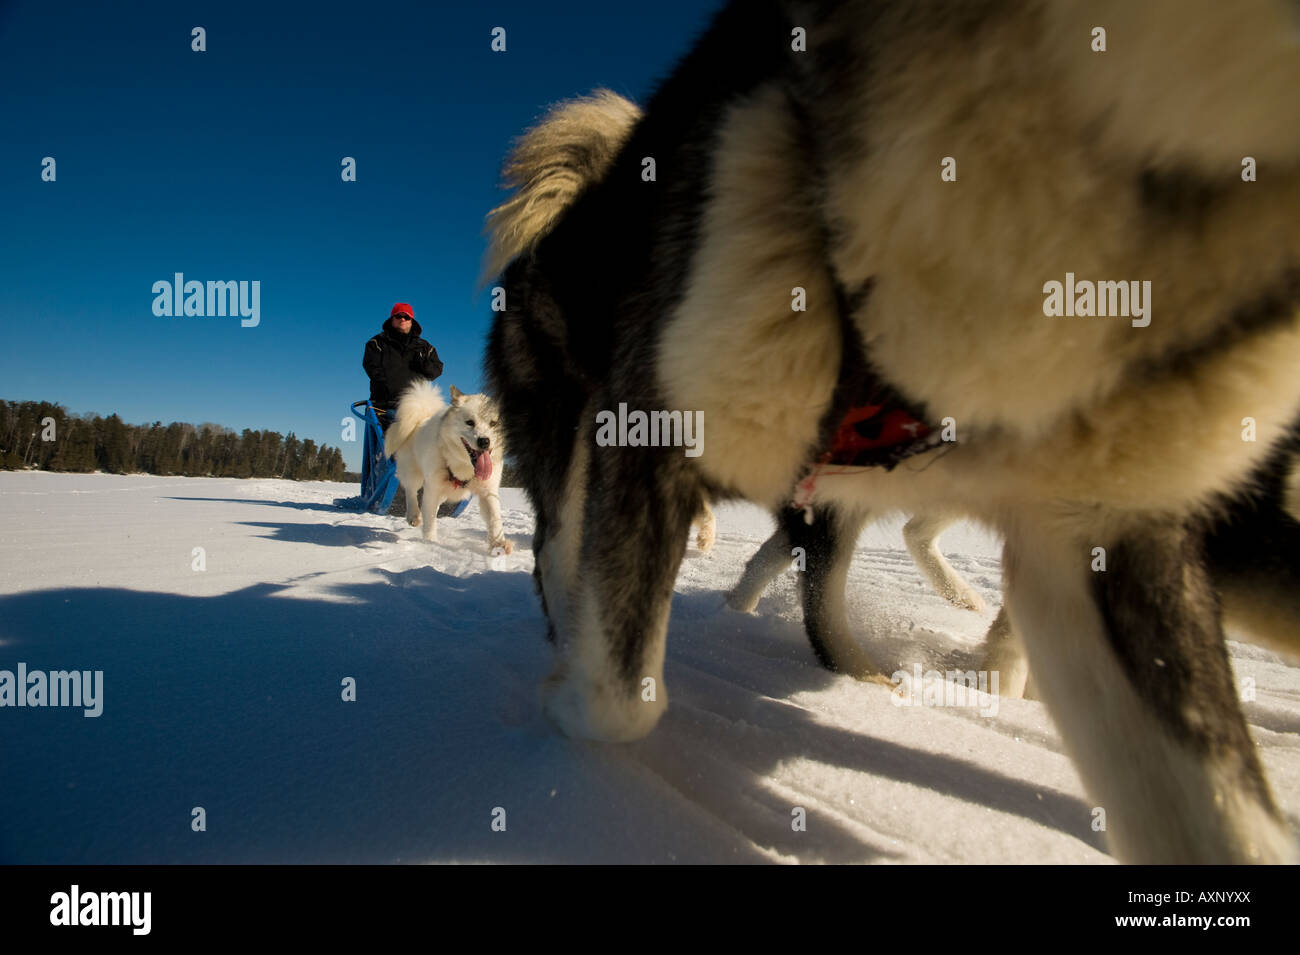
x=470, y=422
x=492, y=424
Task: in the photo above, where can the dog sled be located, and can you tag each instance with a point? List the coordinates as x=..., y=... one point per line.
x=378, y=470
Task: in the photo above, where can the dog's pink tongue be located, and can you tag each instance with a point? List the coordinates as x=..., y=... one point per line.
x=483, y=466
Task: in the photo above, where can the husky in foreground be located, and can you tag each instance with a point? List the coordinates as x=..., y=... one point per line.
x=873, y=214
x=448, y=450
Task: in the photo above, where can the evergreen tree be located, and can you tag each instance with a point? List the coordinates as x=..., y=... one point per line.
x=90, y=442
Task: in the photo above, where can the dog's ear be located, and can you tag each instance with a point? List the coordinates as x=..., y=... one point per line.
x=457, y=397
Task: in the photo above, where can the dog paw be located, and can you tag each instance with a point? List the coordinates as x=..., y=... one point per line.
x=501, y=548
x=964, y=597
x=741, y=601
x=864, y=669
x=583, y=709
x=1013, y=673
x=414, y=521
x=1031, y=689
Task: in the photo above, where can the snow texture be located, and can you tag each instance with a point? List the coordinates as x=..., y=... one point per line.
x=223, y=690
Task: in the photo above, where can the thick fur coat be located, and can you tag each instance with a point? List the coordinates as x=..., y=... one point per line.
x=761, y=170
x=450, y=451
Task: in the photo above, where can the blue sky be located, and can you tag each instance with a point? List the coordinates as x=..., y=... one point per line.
x=225, y=165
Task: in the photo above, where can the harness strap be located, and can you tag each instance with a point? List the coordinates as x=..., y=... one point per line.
x=877, y=426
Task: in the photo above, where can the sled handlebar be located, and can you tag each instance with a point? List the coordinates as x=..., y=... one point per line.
x=379, y=412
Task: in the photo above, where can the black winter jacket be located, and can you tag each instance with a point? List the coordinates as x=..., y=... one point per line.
x=393, y=361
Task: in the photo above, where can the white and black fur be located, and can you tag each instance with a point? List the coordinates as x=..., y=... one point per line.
x=446, y=450
x=778, y=169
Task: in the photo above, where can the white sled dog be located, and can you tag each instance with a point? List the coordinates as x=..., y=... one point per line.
x=925, y=220
x=450, y=451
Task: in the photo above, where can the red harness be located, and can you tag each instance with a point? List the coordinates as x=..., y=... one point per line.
x=873, y=435
x=878, y=429
x=455, y=481
x=876, y=435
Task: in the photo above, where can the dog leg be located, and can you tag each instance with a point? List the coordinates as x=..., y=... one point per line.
x=770, y=560
x=412, y=493
x=410, y=484
x=557, y=539
x=489, y=503
x=921, y=535
x=432, y=499
x=1132, y=665
x=608, y=683
x=1253, y=552
x=828, y=544
x=707, y=527
x=1004, y=655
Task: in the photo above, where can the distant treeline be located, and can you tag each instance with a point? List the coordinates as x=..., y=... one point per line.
x=86, y=442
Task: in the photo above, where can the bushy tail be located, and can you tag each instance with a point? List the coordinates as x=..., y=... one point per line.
x=572, y=147
x=417, y=404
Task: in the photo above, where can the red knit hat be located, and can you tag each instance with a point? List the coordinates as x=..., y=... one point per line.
x=401, y=308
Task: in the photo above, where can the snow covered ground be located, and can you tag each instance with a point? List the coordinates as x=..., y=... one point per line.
x=222, y=690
